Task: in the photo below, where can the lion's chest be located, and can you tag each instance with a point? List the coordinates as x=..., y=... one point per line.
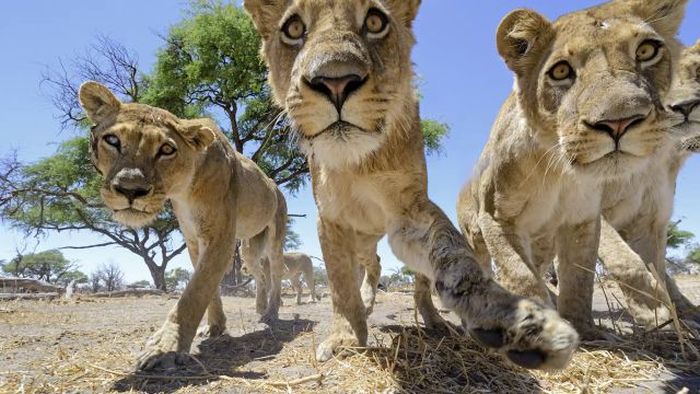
x=350, y=201
x=648, y=194
x=561, y=203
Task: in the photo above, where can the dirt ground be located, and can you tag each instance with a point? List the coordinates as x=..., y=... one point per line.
x=89, y=345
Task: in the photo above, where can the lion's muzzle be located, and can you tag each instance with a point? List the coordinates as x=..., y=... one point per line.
x=131, y=183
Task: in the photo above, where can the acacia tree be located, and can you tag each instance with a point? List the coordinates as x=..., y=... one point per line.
x=50, y=266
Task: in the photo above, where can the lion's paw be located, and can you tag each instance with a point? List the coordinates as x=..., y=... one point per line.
x=161, y=350
x=528, y=334
x=332, y=345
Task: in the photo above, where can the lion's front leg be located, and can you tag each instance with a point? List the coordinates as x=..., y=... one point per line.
x=644, y=295
x=652, y=250
x=349, y=324
x=166, y=346
x=216, y=320
x=517, y=270
x=577, y=251
x=526, y=331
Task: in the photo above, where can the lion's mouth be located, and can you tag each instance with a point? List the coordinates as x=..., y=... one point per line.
x=132, y=211
x=339, y=129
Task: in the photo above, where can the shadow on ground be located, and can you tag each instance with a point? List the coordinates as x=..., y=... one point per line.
x=221, y=356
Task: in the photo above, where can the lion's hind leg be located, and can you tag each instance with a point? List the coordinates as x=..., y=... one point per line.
x=252, y=254
x=308, y=271
x=423, y=299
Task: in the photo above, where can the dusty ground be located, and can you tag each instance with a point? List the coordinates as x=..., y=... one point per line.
x=89, y=345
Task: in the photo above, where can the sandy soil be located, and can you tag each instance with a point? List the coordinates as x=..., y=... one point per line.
x=89, y=345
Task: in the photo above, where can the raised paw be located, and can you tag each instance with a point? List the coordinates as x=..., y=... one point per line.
x=529, y=335
x=161, y=350
x=333, y=344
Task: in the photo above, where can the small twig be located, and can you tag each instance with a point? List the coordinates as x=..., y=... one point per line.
x=290, y=383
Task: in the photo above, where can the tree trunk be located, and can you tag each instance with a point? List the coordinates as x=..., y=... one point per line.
x=157, y=274
x=233, y=277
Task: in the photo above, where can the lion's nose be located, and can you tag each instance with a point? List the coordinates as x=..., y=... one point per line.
x=132, y=193
x=618, y=127
x=685, y=107
x=337, y=89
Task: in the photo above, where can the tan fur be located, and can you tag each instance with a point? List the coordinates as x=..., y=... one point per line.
x=369, y=176
x=295, y=265
x=217, y=194
x=538, y=186
x=641, y=209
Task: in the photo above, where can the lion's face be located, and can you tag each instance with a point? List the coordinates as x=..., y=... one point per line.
x=145, y=154
x=594, y=80
x=341, y=70
x=684, y=98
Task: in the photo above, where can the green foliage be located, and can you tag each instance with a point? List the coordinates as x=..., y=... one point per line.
x=177, y=278
x=141, y=284
x=677, y=237
x=57, y=192
x=434, y=134
x=292, y=241
x=50, y=266
x=320, y=276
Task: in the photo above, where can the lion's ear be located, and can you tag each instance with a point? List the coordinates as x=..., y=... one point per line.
x=521, y=38
x=265, y=14
x=665, y=16
x=198, y=132
x=695, y=48
x=98, y=102
x=404, y=11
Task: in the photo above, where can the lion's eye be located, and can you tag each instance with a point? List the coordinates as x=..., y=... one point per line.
x=293, y=30
x=376, y=22
x=166, y=150
x=561, y=71
x=112, y=140
x=647, y=50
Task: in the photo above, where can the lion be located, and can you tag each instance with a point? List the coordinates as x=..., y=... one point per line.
x=341, y=69
x=295, y=265
x=148, y=156
x=586, y=108
x=638, y=212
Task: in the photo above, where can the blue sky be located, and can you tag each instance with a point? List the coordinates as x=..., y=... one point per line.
x=463, y=83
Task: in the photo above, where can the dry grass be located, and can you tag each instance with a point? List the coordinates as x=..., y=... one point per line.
x=403, y=359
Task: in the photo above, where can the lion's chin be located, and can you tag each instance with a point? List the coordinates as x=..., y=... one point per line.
x=614, y=166
x=133, y=217
x=341, y=146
